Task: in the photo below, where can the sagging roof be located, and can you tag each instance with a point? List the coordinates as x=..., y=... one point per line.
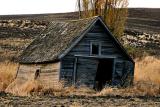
x=58, y=39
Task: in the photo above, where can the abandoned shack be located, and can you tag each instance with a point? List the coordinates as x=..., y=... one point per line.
x=78, y=52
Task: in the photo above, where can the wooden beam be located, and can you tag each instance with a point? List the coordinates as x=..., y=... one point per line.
x=75, y=71
x=97, y=56
x=60, y=69
x=113, y=70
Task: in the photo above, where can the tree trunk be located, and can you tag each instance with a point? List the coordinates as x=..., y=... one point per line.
x=79, y=7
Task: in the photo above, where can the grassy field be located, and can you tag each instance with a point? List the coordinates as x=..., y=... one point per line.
x=145, y=91
x=146, y=80
x=7, y=74
x=11, y=48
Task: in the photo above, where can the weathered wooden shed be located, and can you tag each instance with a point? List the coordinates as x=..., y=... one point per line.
x=79, y=52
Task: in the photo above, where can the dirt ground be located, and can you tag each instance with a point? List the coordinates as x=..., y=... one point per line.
x=79, y=101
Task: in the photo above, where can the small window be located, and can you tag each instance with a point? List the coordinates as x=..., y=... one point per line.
x=95, y=48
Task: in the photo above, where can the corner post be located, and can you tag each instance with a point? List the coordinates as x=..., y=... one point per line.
x=113, y=71
x=75, y=71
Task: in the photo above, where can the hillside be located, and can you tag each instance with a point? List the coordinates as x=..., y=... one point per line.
x=18, y=31
x=144, y=20
x=140, y=19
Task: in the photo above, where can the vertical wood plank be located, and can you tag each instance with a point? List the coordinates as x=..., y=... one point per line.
x=75, y=71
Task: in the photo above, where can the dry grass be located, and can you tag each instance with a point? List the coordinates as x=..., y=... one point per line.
x=76, y=104
x=146, y=82
x=148, y=70
x=139, y=89
x=25, y=89
x=32, y=87
x=8, y=53
x=15, y=41
x=80, y=91
x=7, y=74
x=12, y=47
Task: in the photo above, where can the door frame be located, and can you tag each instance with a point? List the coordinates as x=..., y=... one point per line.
x=93, y=57
x=112, y=71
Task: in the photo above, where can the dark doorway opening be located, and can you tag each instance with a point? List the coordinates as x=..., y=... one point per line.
x=104, y=73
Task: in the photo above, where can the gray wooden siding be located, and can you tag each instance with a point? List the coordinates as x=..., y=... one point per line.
x=123, y=69
x=86, y=71
x=107, y=45
x=49, y=75
x=97, y=34
x=67, y=68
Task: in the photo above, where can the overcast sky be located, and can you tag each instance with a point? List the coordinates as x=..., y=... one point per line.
x=56, y=6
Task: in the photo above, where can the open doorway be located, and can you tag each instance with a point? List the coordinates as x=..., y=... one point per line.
x=104, y=73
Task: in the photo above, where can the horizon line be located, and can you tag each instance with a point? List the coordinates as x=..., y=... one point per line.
x=19, y=14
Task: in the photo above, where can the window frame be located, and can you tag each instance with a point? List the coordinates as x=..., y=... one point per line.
x=99, y=47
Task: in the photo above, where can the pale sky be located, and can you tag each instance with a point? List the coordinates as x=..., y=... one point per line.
x=56, y=6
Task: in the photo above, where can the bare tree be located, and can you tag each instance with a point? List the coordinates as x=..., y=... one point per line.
x=79, y=7
x=114, y=12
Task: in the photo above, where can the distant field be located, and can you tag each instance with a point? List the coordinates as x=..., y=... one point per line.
x=141, y=19
x=48, y=17
x=144, y=20
x=17, y=31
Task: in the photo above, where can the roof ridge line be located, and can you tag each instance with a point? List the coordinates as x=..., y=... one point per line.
x=77, y=19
